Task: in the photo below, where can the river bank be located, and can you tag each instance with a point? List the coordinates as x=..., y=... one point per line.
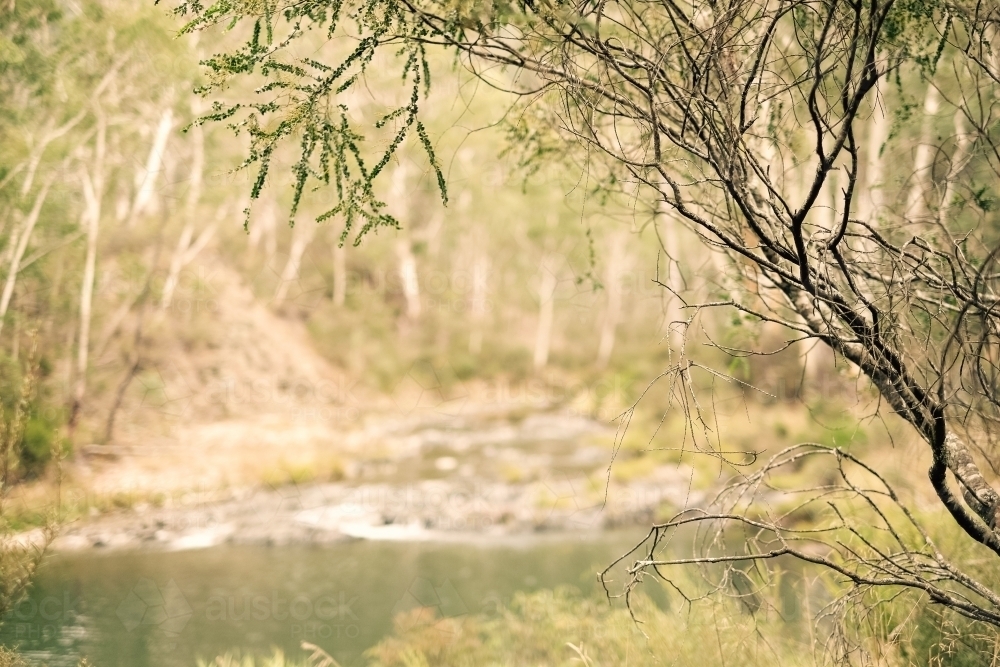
x=445, y=478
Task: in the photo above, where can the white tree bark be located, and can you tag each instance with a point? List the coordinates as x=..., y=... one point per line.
x=613, y=306
x=20, y=243
x=146, y=179
x=916, y=200
x=406, y=262
x=185, y=252
x=546, y=310
x=92, y=190
x=407, y=268
x=93, y=193
x=959, y=161
x=873, y=196
x=265, y=229
x=187, y=246
x=38, y=151
x=302, y=236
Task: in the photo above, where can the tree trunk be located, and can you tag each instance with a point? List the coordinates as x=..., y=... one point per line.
x=613, y=307
x=48, y=137
x=176, y=264
x=407, y=269
x=185, y=252
x=546, y=304
x=264, y=229
x=873, y=197
x=916, y=200
x=407, y=263
x=92, y=194
x=960, y=159
x=21, y=244
x=146, y=179
x=301, y=238
x=135, y=358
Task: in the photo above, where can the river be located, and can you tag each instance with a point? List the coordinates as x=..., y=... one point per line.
x=168, y=609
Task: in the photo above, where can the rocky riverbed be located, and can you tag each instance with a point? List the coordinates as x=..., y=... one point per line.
x=437, y=479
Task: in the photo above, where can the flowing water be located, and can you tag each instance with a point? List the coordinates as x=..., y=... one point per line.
x=169, y=608
x=146, y=609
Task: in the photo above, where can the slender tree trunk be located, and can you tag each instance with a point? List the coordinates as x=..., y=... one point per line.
x=184, y=254
x=961, y=158
x=93, y=192
x=301, y=238
x=613, y=307
x=8, y=251
x=112, y=325
x=339, y=274
x=176, y=264
x=187, y=248
x=47, y=138
x=916, y=200
x=873, y=197
x=86, y=300
x=146, y=179
x=406, y=262
x=264, y=229
x=546, y=311
x=407, y=269
x=135, y=357
x=51, y=135
x=197, y=174
x=33, y=163
x=21, y=244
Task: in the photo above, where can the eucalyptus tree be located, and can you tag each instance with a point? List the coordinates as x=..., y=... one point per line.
x=764, y=126
x=86, y=131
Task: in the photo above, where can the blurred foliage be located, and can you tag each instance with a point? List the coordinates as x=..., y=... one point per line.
x=514, y=202
x=9, y=658
x=480, y=263
x=235, y=659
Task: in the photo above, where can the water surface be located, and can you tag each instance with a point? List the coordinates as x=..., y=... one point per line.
x=159, y=609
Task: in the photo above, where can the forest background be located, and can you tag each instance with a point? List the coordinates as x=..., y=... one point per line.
x=142, y=307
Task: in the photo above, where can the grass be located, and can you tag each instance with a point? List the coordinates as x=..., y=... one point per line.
x=330, y=469
x=563, y=628
x=236, y=659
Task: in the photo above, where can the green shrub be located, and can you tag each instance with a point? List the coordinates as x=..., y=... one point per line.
x=562, y=627
x=236, y=659
x=941, y=639
x=37, y=445
x=9, y=658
